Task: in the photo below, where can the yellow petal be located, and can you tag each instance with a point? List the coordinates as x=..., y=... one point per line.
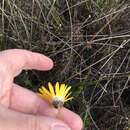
x=57, y=87
x=69, y=99
x=62, y=90
x=45, y=97
x=46, y=91
x=67, y=90
x=57, y=90
x=41, y=90
x=39, y=94
x=51, y=89
x=68, y=95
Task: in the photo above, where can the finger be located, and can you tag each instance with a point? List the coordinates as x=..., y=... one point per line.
x=5, y=87
x=11, y=64
x=18, y=59
x=26, y=101
x=11, y=120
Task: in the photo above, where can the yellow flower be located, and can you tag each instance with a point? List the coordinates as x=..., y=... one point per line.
x=57, y=94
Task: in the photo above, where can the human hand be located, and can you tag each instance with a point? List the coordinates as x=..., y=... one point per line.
x=21, y=109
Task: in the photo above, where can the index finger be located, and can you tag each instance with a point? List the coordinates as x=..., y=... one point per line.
x=18, y=59
x=12, y=62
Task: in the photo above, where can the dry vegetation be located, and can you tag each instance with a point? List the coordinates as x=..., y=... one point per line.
x=89, y=41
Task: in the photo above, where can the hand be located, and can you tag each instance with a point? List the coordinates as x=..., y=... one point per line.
x=21, y=109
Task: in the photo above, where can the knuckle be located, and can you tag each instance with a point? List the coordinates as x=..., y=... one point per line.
x=34, y=123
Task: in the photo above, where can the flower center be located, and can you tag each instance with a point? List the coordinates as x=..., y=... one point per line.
x=58, y=98
x=58, y=102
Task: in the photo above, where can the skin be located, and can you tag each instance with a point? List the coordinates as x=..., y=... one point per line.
x=21, y=109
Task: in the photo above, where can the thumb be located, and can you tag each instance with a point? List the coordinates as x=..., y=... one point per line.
x=11, y=120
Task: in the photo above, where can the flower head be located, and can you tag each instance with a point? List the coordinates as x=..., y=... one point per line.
x=57, y=94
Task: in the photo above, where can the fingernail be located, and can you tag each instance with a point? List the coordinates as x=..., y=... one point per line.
x=60, y=127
